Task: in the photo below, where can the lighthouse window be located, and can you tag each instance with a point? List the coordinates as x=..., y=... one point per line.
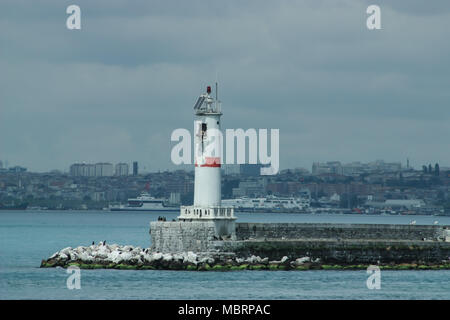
x=203, y=127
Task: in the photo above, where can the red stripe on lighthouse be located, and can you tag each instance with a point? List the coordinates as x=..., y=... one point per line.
x=212, y=162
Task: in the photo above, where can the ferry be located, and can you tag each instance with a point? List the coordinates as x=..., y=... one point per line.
x=269, y=204
x=145, y=202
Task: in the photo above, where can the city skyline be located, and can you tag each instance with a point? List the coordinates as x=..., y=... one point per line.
x=116, y=91
x=127, y=167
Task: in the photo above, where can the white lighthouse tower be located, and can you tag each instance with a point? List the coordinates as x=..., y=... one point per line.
x=207, y=155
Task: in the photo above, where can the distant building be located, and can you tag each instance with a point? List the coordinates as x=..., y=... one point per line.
x=122, y=169
x=253, y=170
x=230, y=169
x=248, y=170
x=355, y=168
x=408, y=203
x=397, y=203
x=250, y=189
x=329, y=167
x=104, y=169
x=17, y=169
x=91, y=170
x=135, y=168
x=175, y=198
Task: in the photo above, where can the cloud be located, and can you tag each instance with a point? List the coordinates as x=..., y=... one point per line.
x=115, y=90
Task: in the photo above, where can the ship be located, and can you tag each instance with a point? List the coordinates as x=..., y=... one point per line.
x=14, y=206
x=145, y=202
x=269, y=204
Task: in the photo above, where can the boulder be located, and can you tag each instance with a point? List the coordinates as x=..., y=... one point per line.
x=167, y=257
x=66, y=251
x=157, y=256
x=302, y=260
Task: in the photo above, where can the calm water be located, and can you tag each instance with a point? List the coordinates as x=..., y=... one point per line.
x=26, y=237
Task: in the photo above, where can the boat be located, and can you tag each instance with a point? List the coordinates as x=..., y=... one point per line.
x=145, y=202
x=269, y=204
x=14, y=206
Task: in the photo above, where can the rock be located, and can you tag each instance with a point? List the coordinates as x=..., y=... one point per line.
x=157, y=256
x=127, y=256
x=66, y=251
x=137, y=250
x=190, y=258
x=114, y=256
x=54, y=255
x=284, y=259
x=73, y=256
x=147, y=257
x=85, y=257
x=239, y=260
x=300, y=261
x=204, y=260
x=178, y=257
x=167, y=257
x=62, y=256
x=103, y=250
x=253, y=259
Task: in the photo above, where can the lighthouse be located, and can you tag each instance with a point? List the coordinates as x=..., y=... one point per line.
x=207, y=205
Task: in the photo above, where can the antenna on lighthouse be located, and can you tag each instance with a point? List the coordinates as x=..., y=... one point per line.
x=217, y=92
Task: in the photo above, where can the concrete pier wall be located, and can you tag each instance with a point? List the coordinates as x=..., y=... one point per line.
x=196, y=236
x=178, y=236
x=344, y=252
x=246, y=231
x=331, y=243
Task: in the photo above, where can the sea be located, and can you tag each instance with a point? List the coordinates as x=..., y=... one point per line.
x=27, y=237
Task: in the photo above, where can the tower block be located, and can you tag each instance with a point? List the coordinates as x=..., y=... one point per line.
x=208, y=158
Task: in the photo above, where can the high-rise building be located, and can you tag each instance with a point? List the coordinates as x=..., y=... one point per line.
x=135, y=168
x=122, y=169
x=334, y=167
x=91, y=170
x=104, y=169
x=250, y=169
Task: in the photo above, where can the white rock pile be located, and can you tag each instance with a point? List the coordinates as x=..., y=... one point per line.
x=116, y=256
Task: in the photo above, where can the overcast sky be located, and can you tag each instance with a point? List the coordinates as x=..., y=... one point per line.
x=116, y=89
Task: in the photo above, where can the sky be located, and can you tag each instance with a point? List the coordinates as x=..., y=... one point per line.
x=116, y=89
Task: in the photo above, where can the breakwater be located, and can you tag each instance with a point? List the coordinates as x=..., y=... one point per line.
x=135, y=258
x=265, y=246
